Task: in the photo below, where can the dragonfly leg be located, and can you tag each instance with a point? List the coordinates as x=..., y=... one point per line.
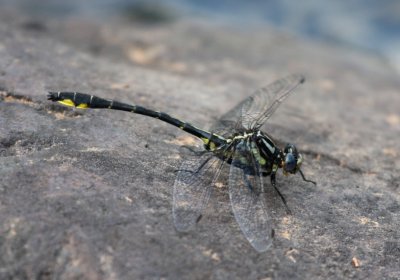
x=305, y=179
x=273, y=183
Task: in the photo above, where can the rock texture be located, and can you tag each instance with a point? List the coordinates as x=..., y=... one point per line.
x=87, y=194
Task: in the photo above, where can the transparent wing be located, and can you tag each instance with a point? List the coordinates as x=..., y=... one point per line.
x=192, y=189
x=245, y=192
x=225, y=128
x=266, y=100
x=253, y=111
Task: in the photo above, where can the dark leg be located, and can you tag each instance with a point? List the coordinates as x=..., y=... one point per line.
x=273, y=183
x=304, y=178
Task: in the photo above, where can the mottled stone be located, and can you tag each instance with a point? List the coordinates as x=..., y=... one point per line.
x=88, y=194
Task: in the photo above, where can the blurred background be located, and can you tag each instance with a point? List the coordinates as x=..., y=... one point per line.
x=362, y=24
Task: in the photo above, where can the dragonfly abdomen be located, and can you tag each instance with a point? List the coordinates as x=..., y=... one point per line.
x=84, y=101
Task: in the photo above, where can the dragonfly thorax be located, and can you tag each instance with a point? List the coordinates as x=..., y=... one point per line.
x=269, y=151
x=255, y=147
x=266, y=145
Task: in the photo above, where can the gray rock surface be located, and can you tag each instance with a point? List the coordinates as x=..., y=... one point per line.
x=87, y=194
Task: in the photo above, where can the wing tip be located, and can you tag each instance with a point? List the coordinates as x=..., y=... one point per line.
x=296, y=78
x=262, y=248
x=299, y=77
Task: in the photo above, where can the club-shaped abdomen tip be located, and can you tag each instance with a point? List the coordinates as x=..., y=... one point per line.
x=53, y=96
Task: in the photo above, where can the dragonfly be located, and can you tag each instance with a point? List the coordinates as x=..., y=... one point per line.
x=235, y=141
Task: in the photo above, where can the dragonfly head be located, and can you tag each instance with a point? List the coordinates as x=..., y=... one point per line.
x=292, y=159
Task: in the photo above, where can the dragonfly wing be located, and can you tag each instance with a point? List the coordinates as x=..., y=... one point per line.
x=253, y=111
x=192, y=189
x=225, y=127
x=232, y=120
x=266, y=100
x=246, y=195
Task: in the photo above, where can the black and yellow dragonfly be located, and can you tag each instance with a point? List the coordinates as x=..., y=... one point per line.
x=235, y=140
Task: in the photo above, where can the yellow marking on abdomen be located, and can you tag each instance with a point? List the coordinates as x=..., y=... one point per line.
x=82, y=106
x=67, y=102
x=205, y=140
x=212, y=146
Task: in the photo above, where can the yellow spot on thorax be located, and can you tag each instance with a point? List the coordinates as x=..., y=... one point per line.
x=257, y=155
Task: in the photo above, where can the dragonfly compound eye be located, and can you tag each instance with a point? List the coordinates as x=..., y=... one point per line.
x=290, y=163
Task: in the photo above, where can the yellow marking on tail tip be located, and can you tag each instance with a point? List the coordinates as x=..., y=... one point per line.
x=67, y=102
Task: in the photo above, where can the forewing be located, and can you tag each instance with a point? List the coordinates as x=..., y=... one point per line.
x=253, y=111
x=266, y=100
x=225, y=127
x=246, y=195
x=192, y=189
x=231, y=121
